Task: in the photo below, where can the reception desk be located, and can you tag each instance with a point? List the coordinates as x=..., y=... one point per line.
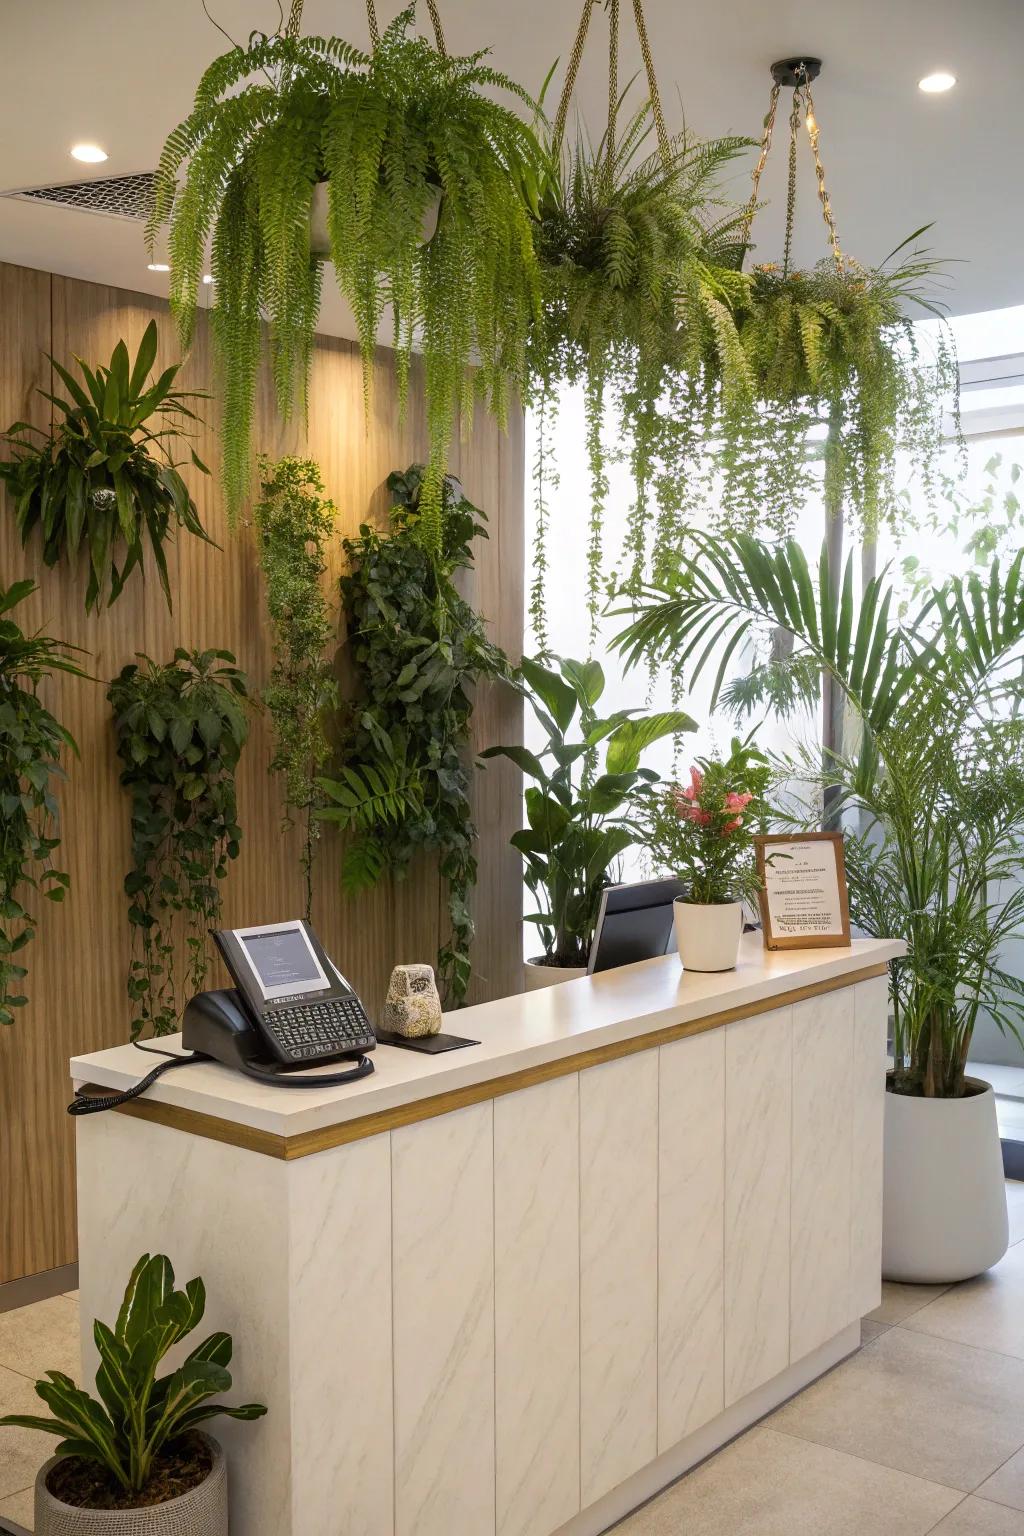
x=516, y=1289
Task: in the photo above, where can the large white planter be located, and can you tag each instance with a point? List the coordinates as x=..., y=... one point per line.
x=537, y=975
x=319, y=235
x=708, y=937
x=944, y=1213
x=203, y=1511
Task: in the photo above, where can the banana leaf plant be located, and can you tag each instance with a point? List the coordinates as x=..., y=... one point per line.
x=138, y=1414
x=581, y=819
x=935, y=780
x=105, y=480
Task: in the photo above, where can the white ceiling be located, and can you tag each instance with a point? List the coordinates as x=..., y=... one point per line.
x=123, y=75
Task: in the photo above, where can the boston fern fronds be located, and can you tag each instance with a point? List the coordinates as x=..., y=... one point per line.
x=392, y=133
x=138, y=1414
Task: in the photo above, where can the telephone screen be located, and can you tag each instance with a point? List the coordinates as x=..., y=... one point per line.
x=283, y=959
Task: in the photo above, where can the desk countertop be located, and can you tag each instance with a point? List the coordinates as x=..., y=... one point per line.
x=519, y=1036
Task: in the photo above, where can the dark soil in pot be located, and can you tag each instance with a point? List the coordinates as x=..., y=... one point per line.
x=182, y=1466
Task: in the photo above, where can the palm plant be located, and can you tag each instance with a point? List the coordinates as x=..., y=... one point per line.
x=580, y=819
x=937, y=775
x=389, y=131
x=138, y=1415
x=106, y=480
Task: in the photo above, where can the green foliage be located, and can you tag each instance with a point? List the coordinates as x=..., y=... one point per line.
x=389, y=131
x=31, y=743
x=937, y=776
x=638, y=284
x=105, y=480
x=835, y=346
x=703, y=834
x=180, y=729
x=987, y=524
x=137, y=1414
x=580, y=820
x=293, y=523
x=418, y=650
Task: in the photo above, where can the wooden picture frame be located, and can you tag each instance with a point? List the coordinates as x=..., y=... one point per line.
x=835, y=936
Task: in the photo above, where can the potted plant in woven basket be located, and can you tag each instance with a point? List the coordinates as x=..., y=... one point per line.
x=702, y=833
x=134, y=1462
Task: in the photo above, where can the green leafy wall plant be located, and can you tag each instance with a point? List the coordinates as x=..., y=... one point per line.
x=388, y=130
x=293, y=522
x=137, y=1417
x=418, y=650
x=105, y=480
x=180, y=729
x=32, y=741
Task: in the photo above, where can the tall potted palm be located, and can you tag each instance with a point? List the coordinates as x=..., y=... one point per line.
x=937, y=777
x=580, y=817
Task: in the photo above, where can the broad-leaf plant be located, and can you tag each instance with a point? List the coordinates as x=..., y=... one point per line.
x=418, y=650
x=137, y=1416
x=933, y=786
x=32, y=743
x=390, y=131
x=105, y=481
x=582, y=815
x=180, y=728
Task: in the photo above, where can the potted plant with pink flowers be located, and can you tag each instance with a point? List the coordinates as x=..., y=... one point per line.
x=703, y=834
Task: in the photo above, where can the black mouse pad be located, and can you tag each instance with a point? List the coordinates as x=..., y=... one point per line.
x=430, y=1045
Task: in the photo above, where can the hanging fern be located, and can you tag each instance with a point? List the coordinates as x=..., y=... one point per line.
x=293, y=523
x=391, y=132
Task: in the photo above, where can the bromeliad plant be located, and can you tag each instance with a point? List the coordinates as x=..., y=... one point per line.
x=703, y=833
x=582, y=817
x=293, y=522
x=390, y=131
x=180, y=729
x=106, y=480
x=418, y=650
x=937, y=776
x=137, y=1417
x=32, y=742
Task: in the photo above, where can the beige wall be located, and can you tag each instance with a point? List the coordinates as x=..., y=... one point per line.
x=78, y=960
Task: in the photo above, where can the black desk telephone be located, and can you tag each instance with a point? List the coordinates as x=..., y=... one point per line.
x=290, y=1008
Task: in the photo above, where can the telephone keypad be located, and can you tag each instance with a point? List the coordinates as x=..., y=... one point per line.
x=326, y=1028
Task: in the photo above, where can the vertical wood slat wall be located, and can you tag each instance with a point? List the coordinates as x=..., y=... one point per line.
x=78, y=960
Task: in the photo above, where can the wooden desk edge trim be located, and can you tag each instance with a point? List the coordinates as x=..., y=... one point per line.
x=308, y=1143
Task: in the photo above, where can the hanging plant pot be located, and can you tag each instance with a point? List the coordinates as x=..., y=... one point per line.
x=319, y=233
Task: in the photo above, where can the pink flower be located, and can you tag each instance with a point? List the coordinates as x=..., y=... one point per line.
x=696, y=785
x=730, y=826
x=734, y=802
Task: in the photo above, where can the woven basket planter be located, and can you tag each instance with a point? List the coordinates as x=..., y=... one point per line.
x=203, y=1511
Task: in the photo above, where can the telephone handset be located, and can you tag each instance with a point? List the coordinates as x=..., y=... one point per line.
x=290, y=1008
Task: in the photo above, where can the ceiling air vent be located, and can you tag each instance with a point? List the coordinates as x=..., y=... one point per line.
x=119, y=197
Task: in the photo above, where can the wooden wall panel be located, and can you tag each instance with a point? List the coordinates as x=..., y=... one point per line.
x=78, y=960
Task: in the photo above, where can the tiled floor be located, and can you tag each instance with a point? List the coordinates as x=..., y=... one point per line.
x=922, y=1431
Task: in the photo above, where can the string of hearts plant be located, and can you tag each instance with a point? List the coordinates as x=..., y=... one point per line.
x=180, y=729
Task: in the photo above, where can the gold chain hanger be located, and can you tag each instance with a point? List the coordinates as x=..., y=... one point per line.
x=572, y=72
x=435, y=20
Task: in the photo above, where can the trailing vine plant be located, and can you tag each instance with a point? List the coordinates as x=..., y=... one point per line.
x=105, y=481
x=32, y=742
x=391, y=132
x=418, y=650
x=180, y=728
x=293, y=522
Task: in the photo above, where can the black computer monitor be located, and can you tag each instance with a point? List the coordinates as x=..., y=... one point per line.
x=634, y=923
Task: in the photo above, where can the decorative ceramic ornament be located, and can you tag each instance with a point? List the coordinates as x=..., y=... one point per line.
x=412, y=1007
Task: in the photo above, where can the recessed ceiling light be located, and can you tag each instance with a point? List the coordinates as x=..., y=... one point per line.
x=90, y=153
x=158, y=266
x=935, y=84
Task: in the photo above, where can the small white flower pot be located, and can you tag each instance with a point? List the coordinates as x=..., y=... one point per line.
x=944, y=1212
x=536, y=974
x=203, y=1511
x=319, y=232
x=708, y=937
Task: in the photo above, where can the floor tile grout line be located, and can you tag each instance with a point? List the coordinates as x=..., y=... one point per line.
x=979, y=1349
x=883, y=1466
x=946, y=1516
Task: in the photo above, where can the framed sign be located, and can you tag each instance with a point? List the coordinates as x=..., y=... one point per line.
x=803, y=897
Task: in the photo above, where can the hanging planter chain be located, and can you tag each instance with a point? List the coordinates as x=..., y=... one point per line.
x=435, y=18
x=575, y=58
x=801, y=98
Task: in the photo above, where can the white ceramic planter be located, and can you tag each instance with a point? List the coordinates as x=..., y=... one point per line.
x=944, y=1213
x=319, y=235
x=203, y=1511
x=708, y=937
x=537, y=975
